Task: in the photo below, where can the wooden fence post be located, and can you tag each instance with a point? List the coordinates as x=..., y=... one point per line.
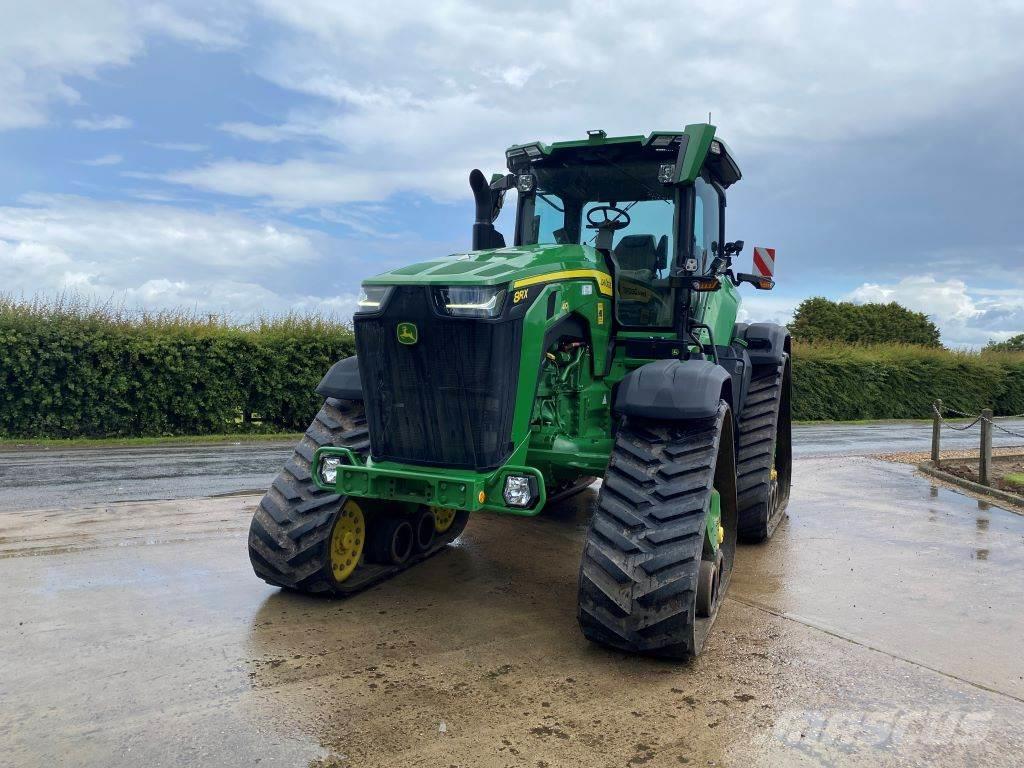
x=936, y=431
x=985, y=460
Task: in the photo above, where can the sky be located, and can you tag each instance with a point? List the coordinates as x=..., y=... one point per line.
x=263, y=157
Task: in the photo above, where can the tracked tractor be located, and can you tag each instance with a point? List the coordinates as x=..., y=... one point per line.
x=602, y=343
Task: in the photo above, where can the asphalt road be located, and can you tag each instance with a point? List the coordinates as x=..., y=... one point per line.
x=893, y=437
x=35, y=479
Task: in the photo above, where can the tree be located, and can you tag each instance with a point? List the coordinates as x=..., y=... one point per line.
x=1012, y=344
x=819, y=319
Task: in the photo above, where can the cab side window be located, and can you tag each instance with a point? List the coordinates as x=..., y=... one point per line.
x=705, y=223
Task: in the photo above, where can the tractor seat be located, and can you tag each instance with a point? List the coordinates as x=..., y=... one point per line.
x=637, y=257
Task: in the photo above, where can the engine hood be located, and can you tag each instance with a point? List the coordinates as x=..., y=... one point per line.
x=494, y=267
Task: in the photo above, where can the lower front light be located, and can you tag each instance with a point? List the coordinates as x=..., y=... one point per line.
x=329, y=469
x=520, y=491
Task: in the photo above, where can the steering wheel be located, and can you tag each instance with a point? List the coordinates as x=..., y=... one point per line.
x=621, y=220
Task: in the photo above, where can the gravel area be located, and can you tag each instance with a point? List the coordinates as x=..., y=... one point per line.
x=916, y=457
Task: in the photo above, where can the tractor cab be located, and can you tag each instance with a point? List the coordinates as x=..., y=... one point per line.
x=630, y=198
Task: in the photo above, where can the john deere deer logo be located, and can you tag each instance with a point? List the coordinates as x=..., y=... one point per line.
x=407, y=333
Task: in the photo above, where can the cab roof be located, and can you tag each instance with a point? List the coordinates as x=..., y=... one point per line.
x=697, y=141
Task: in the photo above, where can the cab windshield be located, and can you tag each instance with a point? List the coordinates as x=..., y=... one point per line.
x=566, y=192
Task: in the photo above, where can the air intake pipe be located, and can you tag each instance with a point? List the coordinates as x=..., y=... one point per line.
x=488, y=206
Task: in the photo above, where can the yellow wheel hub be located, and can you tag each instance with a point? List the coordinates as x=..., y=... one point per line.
x=347, y=540
x=443, y=518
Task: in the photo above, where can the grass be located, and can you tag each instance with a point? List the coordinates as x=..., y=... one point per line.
x=134, y=442
x=1017, y=478
x=80, y=309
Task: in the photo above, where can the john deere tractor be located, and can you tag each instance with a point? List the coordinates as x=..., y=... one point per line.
x=602, y=343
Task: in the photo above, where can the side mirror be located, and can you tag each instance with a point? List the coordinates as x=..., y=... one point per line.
x=761, y=282
x=500, y=184
x=499, y=201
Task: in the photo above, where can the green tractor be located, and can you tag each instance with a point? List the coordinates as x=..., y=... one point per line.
x=603, y=343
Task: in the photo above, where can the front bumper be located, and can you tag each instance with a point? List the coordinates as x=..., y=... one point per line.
x=452, y=488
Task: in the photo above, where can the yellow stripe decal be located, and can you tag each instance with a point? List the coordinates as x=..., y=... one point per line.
x=603, y=279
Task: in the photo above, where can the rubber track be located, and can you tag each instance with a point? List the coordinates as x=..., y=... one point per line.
x=758, y=427
x=640, y=562
x=289, y=531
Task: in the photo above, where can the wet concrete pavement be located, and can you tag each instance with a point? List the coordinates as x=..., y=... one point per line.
x=880, y=627
x=53, y=478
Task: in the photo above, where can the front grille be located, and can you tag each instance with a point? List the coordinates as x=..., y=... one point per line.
x=446, y=400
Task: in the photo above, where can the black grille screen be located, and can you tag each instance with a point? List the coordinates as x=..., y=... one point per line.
x=446, y=400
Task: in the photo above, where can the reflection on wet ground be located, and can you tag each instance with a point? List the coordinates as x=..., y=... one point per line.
x=868, y=632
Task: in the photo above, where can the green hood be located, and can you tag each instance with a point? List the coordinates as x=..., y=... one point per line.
x=494, y=267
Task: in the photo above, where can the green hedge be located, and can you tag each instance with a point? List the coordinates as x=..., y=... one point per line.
x=72, y=371
x=840, y=382
x=82, y=372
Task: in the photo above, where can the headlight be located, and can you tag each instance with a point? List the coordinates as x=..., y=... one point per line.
x=371, y=297
x=520, y=490
x=471, y=300
x=329, y=469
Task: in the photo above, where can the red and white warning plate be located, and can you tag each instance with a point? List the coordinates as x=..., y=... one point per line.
x=764, y=261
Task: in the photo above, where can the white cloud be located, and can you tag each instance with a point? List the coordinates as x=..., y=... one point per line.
x=270, y=134
x=107, y=123
x=946, y=300
x=759, y=307
x=409, y=95
x=104, y=160
x=30, y=264
x=238, y=298
x=177, y=146
x=162, y=256
x=46, y=43
x=52, y=244
x=965, y=316
x=299, y=183
x=215, y=33
x=153, y=234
